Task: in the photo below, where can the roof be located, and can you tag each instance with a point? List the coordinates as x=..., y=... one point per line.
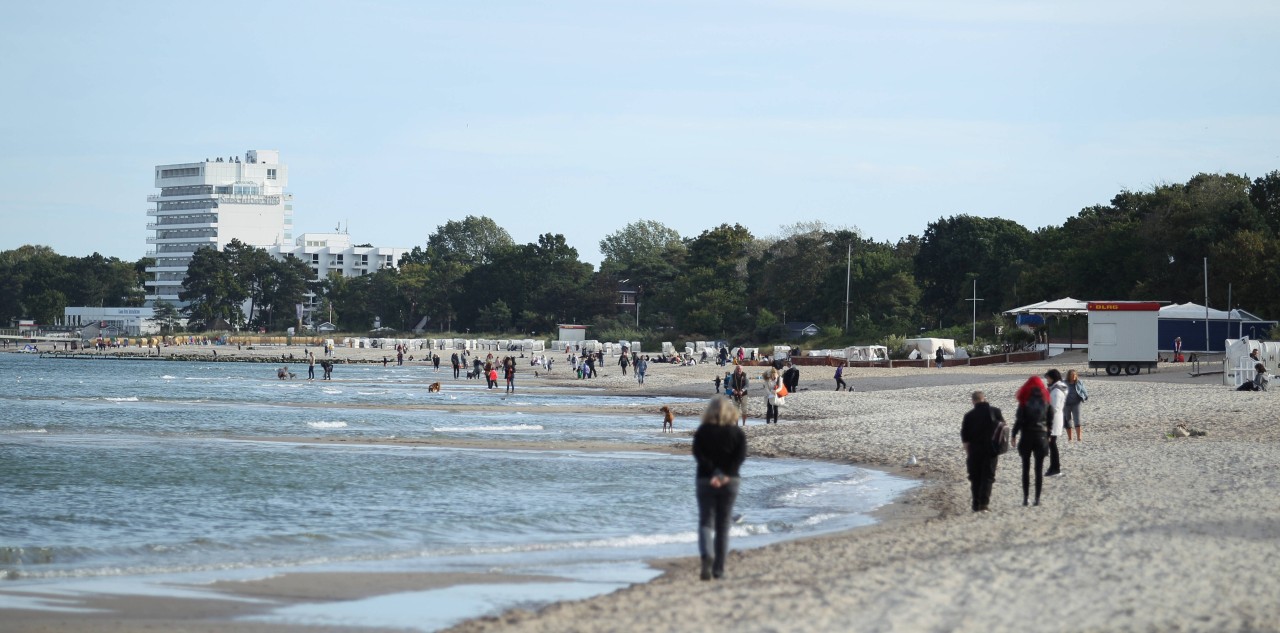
x=1065, y=305
x=1196, y=311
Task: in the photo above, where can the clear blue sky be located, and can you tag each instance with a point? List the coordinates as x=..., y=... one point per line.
x=580, y=117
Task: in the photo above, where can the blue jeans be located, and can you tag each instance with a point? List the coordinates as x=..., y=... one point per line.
x=715, y=511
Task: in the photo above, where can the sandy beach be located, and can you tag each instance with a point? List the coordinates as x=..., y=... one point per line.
x=1143, y=532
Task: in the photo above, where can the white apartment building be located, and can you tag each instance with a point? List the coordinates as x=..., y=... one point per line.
x=209, y=203
x=328, y=253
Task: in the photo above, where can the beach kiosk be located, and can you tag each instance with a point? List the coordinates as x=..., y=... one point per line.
x=1122, y=336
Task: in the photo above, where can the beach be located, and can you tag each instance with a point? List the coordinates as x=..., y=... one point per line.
x=1143, y=532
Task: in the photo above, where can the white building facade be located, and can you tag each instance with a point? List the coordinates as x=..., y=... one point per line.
x=209, y=203
x=328, y=253
x=118, y=321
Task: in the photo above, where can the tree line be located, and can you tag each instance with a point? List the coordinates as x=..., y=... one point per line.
x=726, y=283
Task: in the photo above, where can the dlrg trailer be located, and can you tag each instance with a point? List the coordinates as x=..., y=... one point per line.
x=1123, y=336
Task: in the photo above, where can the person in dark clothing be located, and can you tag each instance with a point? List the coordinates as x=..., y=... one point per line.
x=457, y=365
x=435, y=361
x=791, y=378
x=719, y=447
x=840, y=384
x=976, y=432
x=1031, y=420
x=938, y=357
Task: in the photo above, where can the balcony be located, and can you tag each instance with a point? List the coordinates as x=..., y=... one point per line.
x=247, y=199
x=172, y=254
x=151, y=226
x=196, y=242
x=194, y=196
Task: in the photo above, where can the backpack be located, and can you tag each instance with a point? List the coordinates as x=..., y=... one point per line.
x=1000, y=438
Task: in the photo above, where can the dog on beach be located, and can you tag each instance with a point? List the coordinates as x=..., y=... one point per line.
x=668, y=419
x=433, y=388
x=473, y=374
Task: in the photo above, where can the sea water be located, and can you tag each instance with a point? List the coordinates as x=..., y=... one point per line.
x=112, y=472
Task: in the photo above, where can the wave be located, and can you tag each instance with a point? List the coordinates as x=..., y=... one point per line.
x=465, y=429
x=327, y=425
x=21, y=431
x=168, y=377
x=332, y=392
x=372, y=393
x=128, y=399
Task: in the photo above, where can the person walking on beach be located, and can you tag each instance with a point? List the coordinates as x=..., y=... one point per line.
x=642, y=367
x=1076, y=394
x=772, y=385
x=1031, y=421
x=739, y=385
x=457, y=365
x=1057, y=401
x=840, y=377
x=717, y=381
x=976, y=432
x=509, y=372
x=311, y=365
x=622, y=362
x=937, y=357
x=435, y=361
x=719, y=447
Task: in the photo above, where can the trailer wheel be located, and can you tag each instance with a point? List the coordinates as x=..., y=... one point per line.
x=1113, y=369
x=1133, y=369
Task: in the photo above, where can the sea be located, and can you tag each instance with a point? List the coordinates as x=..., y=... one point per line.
x=133, y=476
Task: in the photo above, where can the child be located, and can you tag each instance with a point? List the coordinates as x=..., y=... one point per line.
x=668, y=419
x=728, y=385
x=717, y=384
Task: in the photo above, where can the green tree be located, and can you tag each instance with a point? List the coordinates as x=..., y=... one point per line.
x=496, y=317
x=212, y=291
x=283, y=288
x=165, y=314
x=957, y=250
x=253, y=268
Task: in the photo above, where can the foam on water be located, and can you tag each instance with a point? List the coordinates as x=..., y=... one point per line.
x=327, y=425
x=493, y=428
x=125, y=399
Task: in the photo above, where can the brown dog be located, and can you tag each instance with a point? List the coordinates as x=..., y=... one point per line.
x=434, y=388
x=668, y=419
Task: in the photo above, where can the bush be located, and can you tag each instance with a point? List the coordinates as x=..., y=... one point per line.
x=897, y=345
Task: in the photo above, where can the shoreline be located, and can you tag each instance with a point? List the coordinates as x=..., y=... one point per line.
x=1136, y=519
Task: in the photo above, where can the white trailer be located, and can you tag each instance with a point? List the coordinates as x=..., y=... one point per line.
x=1123, y=336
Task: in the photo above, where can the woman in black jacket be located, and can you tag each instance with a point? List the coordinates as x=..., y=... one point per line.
x=719, y=447
x=1031, y=421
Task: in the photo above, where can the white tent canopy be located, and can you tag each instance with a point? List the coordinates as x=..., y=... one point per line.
x=1065, y=305
x=1196, y=311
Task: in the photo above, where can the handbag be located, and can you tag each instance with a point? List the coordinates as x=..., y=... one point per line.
x=782, y=391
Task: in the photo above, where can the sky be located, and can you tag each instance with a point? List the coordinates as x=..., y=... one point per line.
x=580, y=117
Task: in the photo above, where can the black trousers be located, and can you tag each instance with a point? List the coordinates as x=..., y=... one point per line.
x=715, y=511
x=982, y=475
x=770, y=411
x=1038, y=449
x=840, y=384
x=1055, y=465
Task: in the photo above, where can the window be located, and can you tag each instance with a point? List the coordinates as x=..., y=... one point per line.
x=182, y=172
x=271, y=174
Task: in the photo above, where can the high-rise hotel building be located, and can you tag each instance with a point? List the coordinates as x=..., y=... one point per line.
x=208, y=204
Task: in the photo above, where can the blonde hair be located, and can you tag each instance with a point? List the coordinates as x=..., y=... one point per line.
x=771, y=374
x=1072, y=376
x=721, y=412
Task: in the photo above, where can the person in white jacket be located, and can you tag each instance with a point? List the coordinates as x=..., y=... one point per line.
x=1057, y=402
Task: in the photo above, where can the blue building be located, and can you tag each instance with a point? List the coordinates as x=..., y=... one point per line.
x=1187, y=320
